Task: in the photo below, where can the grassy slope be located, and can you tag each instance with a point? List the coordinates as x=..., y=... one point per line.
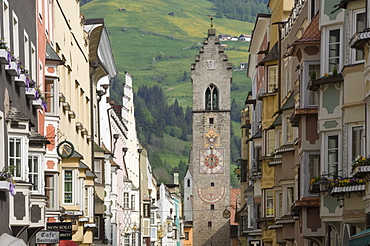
x=145, y=30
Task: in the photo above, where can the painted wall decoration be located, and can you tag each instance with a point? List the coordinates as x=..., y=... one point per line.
x=211, y=138
x=211, y=194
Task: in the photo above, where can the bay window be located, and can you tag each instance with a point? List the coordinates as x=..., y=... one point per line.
x=50, y=98
x=357, y=141
x=334, y=50
x=313, y=96
x=313, y=166
x=332, y=155
x=34, y=172
x=50, y=190
x=68, y=187
x=269, y=203
x=289, y=200
x=272, y=78
x=270, y=142
x=289, y=131
x=125, y=200
x=359, y=17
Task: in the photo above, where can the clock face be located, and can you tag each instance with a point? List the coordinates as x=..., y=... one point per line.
x=212, y=161
x=65, y=149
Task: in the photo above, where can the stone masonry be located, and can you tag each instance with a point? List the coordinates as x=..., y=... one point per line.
x=210, y=160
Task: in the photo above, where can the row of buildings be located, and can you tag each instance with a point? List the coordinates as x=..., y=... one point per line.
x=70, y=156
x=305, y=145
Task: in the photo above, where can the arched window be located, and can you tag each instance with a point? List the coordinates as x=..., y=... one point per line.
x=211, y=98
x=188, y=182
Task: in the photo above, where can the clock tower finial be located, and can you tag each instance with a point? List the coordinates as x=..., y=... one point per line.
x=211, y=18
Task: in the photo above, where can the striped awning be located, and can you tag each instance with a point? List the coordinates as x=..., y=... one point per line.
x=359, y=39
x=345, y=189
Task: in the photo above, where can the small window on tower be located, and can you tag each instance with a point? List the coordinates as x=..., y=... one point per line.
x=212, y=184
x=209, y=223
x=212, y=207
x=211, y=121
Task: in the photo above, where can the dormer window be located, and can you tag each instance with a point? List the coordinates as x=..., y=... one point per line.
x=211, y=98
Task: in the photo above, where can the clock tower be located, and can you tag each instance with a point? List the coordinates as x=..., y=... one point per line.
x=210, y=159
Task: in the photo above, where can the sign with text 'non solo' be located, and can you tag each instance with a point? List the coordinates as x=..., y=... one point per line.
x=64, y=228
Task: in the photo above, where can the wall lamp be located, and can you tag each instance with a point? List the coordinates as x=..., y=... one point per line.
x=324, y=185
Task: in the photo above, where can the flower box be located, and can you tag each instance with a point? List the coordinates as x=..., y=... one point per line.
x=3, y=56
x=37, y=104
x=31, y=93
x=12, y=69
x=21, y=81
x=4, y=185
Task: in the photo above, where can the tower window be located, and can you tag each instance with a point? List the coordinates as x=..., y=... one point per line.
x=209, y=223
x=188, y=183
x=211, y=98
x=212, y=184
x=212, y=207
x=211, y=121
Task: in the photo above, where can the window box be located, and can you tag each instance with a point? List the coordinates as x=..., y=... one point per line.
x=4, y=185
x=3, y=56
x=21, y=81
x=30, y=93
x=37, y=103
x=11, y=69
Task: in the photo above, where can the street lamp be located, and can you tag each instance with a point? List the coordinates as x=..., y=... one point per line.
x=324, y=185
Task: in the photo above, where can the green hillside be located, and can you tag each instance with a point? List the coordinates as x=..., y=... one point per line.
x=155, y=47
x=158, y=49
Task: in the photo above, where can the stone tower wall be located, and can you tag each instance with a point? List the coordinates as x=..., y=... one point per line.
x=211, y=141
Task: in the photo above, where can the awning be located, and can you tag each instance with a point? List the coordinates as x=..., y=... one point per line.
x=360, y=239
x=8, y=240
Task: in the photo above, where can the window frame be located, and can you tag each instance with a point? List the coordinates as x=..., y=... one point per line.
x=212, y=103
x=51, y=94
x=326, y=54
x=325, y=155
x=39, y=173
x=288, y=130
x=270, y=139
x=133, y=203
x=314, y=169
x=6, y=24
x=354, y=30
x=53, y=188
x=126, y=200
x=23, y=156
x=275, y=75
x=15, y=30
x=307, y=78
x=351, y=141
x=98, y=171
x=288, y=203
x=269, y=210
x=26, y=49
x=73, y=183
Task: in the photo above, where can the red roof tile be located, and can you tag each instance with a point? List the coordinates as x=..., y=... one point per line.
x=312, y=33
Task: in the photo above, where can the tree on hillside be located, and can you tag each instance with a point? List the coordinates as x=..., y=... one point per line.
x=244, y=10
